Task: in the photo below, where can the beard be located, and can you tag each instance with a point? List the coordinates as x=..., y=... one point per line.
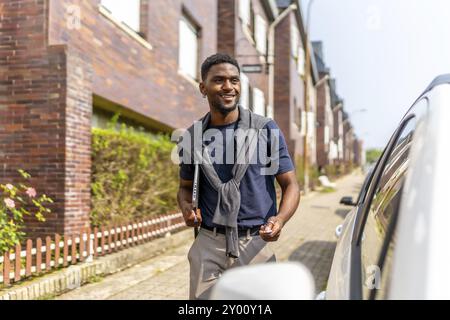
x=224, y=110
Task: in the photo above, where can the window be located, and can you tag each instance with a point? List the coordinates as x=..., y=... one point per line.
x=244, y=11
x=127, y=12
x=294, y=40
x=301, y=61
x=326, y=134
x=188, y=48
x=245, y=91
x=260, y=34
x=383, y=208
x=258, y=102
x=297, y=117
x=270, y=112
x=297, y=50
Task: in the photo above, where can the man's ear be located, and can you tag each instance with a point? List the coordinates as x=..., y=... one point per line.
x=201, y=86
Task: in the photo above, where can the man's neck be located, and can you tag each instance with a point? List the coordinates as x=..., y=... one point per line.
x=219, y=119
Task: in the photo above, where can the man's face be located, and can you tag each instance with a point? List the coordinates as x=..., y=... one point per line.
x=222, y=86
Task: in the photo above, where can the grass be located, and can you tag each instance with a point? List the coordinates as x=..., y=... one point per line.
x=95, y=278
x=48, y=296
x=328, y=190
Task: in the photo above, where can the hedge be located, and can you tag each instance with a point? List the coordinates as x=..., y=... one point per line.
x=133, y=176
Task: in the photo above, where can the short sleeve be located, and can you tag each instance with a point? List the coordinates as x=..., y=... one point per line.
x=186, y=169
x=285, y=161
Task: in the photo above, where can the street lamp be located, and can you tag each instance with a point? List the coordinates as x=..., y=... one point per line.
x=306, y=95
x=357, y=111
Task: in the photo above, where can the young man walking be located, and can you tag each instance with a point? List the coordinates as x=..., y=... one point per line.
x=236, y=196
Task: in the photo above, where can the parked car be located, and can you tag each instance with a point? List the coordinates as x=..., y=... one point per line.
x=394, y=243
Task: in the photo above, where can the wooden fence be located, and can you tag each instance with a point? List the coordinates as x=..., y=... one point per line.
x=41, y=256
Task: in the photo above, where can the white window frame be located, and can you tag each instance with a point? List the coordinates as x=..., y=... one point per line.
x=260, y=34
x=259, y=102
x=126, y=12
x=244, y=11
x=188, y=48
x=326, y=134
x=245, y=91
x=301, y=61
x=295, y=40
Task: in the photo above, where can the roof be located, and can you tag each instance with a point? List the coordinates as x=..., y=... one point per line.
x=283, y=3
x=318, y=52
x=270, y=6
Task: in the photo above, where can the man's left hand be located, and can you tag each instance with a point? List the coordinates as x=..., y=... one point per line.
x=272, y=229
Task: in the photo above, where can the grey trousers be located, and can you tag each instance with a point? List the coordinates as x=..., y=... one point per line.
x=208, y=261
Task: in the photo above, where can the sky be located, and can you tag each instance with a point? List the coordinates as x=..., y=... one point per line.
x=383, y=54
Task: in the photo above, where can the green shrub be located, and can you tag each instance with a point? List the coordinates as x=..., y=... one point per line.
x=300, y=172
x=132, y=176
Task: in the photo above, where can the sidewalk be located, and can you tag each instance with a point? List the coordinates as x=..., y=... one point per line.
x=308, y=237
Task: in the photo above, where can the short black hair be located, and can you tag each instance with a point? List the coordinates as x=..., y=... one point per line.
x=217, y=58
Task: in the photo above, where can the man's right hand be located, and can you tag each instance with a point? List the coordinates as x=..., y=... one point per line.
x=189, y=216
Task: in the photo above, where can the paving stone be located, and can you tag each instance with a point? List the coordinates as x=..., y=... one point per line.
x=308, y=237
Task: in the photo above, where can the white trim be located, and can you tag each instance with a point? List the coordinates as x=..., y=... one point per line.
x=132, y=33
x=189, y=79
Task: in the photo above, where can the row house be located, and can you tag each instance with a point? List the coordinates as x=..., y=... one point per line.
x=358, y=152
x=326, y=146
x=69, y=65
x=349, y=138
x=243, y=32
x=338, y=128
x=289, y=82
x=66, y=65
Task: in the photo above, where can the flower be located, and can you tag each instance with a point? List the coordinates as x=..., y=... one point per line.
x=9, y=203
x=31, y=192
x=9, y=186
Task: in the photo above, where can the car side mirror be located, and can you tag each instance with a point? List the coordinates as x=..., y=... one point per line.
x=348, y=201
x=266, y=281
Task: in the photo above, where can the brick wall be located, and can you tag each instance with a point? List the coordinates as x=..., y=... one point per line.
x=289, y=88
x=322, y=155
x=226, y=29
x=234, y=40
x=36, y=132
x=54, y=57
x=131, y=75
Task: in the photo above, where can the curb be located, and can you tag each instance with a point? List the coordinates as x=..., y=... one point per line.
x=75, y=276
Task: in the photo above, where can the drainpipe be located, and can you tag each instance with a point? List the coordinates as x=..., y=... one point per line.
x=271, y=53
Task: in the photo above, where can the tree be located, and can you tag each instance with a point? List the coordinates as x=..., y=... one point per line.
x=372, y=155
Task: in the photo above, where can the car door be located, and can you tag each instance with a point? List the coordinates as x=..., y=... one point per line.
x=374, y=235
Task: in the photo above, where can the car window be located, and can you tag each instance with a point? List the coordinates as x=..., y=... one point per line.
x=384, y=204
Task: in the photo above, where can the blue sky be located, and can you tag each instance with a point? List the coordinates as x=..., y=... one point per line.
x=383, y=54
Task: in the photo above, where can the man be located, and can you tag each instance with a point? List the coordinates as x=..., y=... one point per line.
x=237, y=201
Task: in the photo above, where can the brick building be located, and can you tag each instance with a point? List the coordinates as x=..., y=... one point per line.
x=358, y=152
x=243, y=33
x=348, y=140
x=326, y=147
x=338, y=129
x=66, y=64
x=289, y=84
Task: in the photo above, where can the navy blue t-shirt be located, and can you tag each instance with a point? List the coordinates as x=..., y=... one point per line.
x=258, y=196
